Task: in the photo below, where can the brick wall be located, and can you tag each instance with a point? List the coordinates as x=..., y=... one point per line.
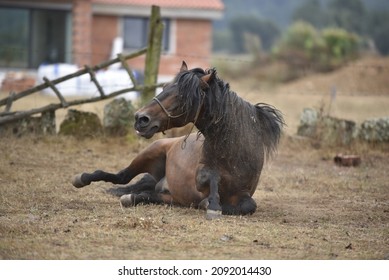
x=93, y=35
x=104, y=31
x=193, y=44
x=82, y=32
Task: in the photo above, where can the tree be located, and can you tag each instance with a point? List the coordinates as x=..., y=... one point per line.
x=310, y=11
x=378, y=26
x=266, y=30
x=347, y=14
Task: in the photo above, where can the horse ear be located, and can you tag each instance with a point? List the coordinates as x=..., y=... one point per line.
x=207, y=78
x=184, y=67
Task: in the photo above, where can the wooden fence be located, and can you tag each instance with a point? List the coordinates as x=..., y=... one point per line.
x=152, y=51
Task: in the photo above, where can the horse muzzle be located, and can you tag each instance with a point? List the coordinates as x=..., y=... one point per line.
x=144, y=126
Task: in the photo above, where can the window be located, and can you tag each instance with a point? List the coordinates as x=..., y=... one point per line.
x=135, y=31
x=30, y=37
x=14, y=37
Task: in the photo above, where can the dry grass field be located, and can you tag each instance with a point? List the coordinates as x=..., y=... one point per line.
x=308, y=208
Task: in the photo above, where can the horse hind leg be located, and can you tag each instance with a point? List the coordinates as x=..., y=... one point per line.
x=242, y=205
x=156, y=194
x=147, y=191
x=146, y=183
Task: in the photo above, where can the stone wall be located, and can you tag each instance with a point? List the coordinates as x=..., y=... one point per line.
x=335, y=131
x=375, y=130
x=36, y=125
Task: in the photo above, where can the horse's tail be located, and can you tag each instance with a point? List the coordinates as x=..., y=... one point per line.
x=272, y=122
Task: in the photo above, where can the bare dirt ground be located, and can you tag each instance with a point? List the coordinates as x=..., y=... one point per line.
x=308, y=208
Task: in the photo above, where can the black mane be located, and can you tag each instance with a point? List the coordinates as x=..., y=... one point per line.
x=235, y=131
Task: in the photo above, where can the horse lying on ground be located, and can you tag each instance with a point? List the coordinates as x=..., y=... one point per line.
x=218, y=168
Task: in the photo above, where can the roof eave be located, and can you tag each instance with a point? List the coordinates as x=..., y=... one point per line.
x=132, y=10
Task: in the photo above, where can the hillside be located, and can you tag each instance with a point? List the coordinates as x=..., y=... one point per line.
x=362, y=92
x=279, y=11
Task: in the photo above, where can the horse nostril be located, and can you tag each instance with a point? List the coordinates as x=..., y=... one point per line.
x=145, y=120
x=142, y=120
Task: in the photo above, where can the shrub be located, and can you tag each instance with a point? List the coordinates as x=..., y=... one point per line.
x=304, y=47
x=340, y=46
x=298, y=45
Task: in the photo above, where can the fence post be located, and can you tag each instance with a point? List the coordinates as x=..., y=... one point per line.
x=153, y=54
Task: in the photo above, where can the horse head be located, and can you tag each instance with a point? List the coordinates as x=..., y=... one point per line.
x=179, y=103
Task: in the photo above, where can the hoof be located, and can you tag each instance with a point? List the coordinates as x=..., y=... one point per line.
x=203, y=204
x=213, y=214
x=127, y=200
x=77, y=182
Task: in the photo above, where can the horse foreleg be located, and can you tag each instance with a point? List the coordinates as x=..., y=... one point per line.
x=152, y=160
x=85, y=179
x=207, y=179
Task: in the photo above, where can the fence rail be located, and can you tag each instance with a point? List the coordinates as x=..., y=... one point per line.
x=152, y=51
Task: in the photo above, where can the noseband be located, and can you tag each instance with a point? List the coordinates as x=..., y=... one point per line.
x=166, y=111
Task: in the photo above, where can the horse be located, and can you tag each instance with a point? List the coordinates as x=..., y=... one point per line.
x=216, y=169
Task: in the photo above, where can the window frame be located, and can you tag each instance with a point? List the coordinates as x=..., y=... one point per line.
x=167, y=44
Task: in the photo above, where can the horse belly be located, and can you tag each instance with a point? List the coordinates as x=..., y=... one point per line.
x=181, y=165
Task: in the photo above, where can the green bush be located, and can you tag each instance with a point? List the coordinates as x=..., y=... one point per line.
x=300, y=35
x=340, y=46
x=298, y=44
x=304, y=46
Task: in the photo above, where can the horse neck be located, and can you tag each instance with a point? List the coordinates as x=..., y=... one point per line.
x=223, y=142
x=215, y=121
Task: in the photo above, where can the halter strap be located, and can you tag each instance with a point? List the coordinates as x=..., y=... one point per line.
x=166, y=111
x=177, y=116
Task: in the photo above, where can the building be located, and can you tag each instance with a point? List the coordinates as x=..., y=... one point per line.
x=82, y=32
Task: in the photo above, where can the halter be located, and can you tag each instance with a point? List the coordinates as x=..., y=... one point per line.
x=166, y=111
x=180, y=115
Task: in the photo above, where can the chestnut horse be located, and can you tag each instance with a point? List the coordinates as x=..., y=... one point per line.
x=219, y=167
